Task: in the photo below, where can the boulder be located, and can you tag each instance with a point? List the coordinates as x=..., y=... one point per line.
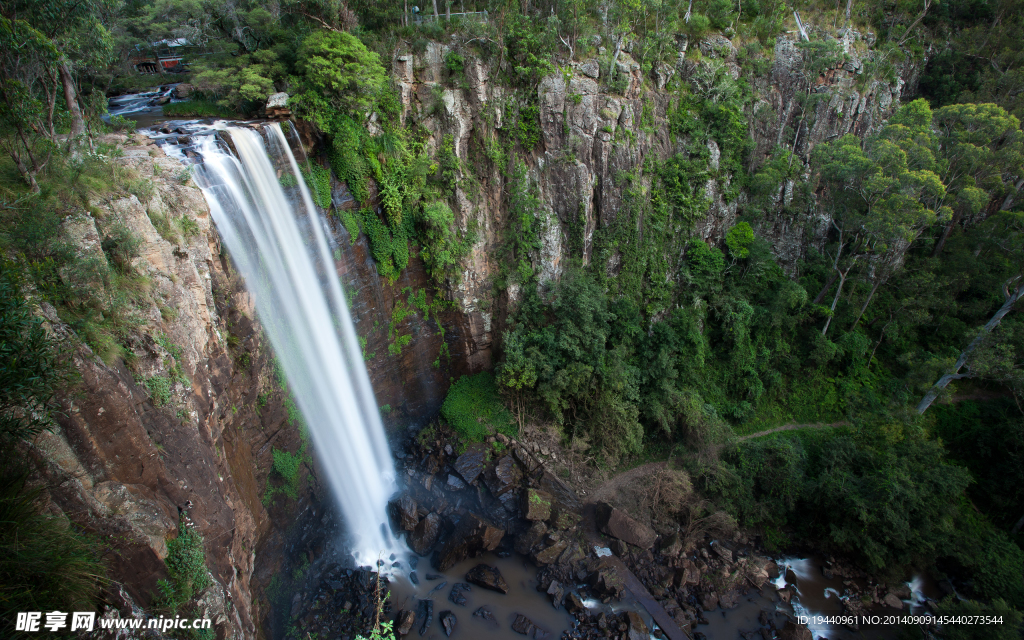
x=556, y=592
x=619, y=524
x=637, y=628
x=426, y=614
x=606, y=579
x=591, y=68
x=448, y=622
x=793, y=631
x=277, y=105
x=404, y=622
x=574, y=604
x=730, y=599
x=526, y=541
x=487, y=577
x=671, y=545
x=454, y=483
x=472, y=536
x=456, y=597
x=183, y=90
x=424, y=536
x=485, y=614
x=536, y=504
x=403, y=510
x=709, y=601
x=528, y=628
x=551, y=554
x=504, y=477
x=563, y=517
x=471, y=464
x=893, y=601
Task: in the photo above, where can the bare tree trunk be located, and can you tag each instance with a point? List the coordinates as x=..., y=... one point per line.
x=954, y=374
x=866, y=303
x=849, y=7
x=835, y=300
x=948, y=231
x=828, y=285
x=689, y=9
x=448, y=11
x=800, y=26
x=71, y=97
x=920, y=17
x=436, y=12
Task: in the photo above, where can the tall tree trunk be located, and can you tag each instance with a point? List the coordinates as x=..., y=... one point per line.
x=828, y=285
x=448, y=10
x=948, y=231
x=71, y=97
x=849, y=7
x=954, y=373
x=436, y=12
x=835, y=300
x=866, y=303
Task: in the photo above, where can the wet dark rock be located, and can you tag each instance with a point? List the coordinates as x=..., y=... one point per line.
x=472, y=536
x=619, y=524
x=334, y=584
x=424, y=536
x=536, y=504
x=510, y=501
x=793, y=631
x=526, y=541
x=404, y=622
x=556, y=592
x=471, y=464
x=562, y=517
x=550, y=554
x=434, y=576
x=709, y=601
x=456, y=596
x=697, y=635
x=504, y=477
x=525, y=626
x=637, y=629
x=448, y=622
x=426, y=614
x=574, y=604
x=485, y=614
x=437, y=588
x=606, y=580
x=572, y=554
x=730, y=599
x=724, y=552
x=454, y=484
x=414, y=578
x=403, y=510
x=487, y=577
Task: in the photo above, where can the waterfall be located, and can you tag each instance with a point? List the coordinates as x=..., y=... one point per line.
x=278, y=244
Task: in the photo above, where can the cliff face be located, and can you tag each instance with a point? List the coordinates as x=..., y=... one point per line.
x=591, y=136
x=182, y=426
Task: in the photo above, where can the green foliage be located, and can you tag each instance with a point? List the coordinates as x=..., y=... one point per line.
x=288, y=465
x=739, y=239
x=340, y=77
x=1007, y=629
x=390, y=248
x=31, y=367
x=186, y=569
x=46, y=563
x=198, y=108
x=443, y=246
x=318, y=179
x=474, y=409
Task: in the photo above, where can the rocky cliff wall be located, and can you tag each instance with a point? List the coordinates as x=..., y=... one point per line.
x=188, y=425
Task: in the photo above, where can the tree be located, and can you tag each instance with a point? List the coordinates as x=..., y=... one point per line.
x=881, y=196
x=340, y=77
x=982, y=152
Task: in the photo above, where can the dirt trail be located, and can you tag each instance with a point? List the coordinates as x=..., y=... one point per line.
x=606, y=491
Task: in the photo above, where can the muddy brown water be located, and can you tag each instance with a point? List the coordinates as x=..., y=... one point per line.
x=522, y=598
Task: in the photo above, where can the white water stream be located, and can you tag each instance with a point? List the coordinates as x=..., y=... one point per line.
x=278, y=244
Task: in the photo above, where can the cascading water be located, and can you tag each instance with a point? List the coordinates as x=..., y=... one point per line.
x=278, y=244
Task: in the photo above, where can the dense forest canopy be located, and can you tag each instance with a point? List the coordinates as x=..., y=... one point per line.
x=911, y=301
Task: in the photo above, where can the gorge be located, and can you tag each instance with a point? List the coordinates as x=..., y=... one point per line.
x=590, y=320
